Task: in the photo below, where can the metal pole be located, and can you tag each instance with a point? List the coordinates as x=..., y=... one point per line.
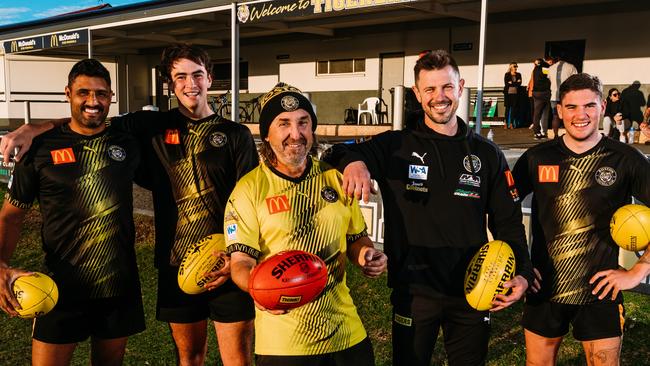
x=234, y=57
x=481, y=68
x=28, y=114
x=398, y=108
x=90, y=44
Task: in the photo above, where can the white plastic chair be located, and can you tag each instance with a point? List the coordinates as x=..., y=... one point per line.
x=371, y=108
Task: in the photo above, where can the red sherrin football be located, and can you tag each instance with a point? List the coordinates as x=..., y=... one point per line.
x=288, y=280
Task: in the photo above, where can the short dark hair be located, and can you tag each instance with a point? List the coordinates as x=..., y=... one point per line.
x=434, y=60
x=89, y=67
x=581, y=81
x=179, y=51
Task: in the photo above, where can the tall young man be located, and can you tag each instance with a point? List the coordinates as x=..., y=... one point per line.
x=192, y=159
x=578, y=181
x=294, y=201
x=442, y=186
x=81, y=174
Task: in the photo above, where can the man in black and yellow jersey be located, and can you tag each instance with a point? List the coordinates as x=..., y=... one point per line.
x=191, y=160
x=294, y=201
x=577, y=182
x=81, y=174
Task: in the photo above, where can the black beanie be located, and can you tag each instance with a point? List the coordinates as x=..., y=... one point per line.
x=283, y=98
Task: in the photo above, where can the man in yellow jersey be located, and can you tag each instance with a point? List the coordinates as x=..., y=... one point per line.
x=294, y=201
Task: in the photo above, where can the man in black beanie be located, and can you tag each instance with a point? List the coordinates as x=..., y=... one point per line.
x=294, y=201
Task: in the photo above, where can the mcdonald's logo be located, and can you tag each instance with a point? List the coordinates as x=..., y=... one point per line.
x=277, y=204
x=172, y=137
x=63, y=156
x=509, y=179
x=54, y=41
x=14, y=46
x=548, y=173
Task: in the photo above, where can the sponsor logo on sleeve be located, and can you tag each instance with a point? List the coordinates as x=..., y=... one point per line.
x=419, y=172
x=277, y=204
x=63, y=156
x=172, y=137
x=231, y=231
x=510, y=181
x=548, y=173
x=465, y=193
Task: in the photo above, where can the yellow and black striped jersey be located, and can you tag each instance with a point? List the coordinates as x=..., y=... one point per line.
x=84, y=187
x=574, y=197
x=267, y=213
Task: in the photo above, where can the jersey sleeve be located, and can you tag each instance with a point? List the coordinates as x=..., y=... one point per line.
x=357, y=228
x=521, y=175
x=23, y=184
x=241, y=227
x=139, y=124
x=641, y=178
x=505, y=220
x=245, y=153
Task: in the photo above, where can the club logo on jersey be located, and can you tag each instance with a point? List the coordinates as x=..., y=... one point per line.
x=63, y=156
x=172, y=137
x=218, y=139
x=509, y=179
x=418, y=172
x=548, y=173
x=605, y=176
x=289, y=103
x=116, y=153
x=475, y=161
x=416, y=155
x=470, y=180
x=277, y=204
x=231, y=231
x=329, y=194
x=465, y=193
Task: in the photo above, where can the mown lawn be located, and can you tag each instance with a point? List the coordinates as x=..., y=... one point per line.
x=154, y=346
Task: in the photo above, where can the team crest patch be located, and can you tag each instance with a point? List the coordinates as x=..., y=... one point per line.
x=116, y=153
x=218, y=139
x=289, y=103
x=605, y=176
x=329, y=194
x=475, y=161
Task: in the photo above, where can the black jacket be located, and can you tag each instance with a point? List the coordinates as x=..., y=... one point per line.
x=436, y=202
x=541, y=81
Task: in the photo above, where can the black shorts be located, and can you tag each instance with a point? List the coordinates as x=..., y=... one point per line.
x=225, y=304
x=361, y=354
x=590, y=322
x=106, y=318
x=417, y=320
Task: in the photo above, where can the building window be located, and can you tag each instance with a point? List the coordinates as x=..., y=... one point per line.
x=221, y=76
x=342, y=66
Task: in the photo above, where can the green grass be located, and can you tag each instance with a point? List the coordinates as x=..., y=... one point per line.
x=154, y=346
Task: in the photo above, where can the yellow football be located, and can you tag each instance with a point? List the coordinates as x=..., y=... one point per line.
x=489, y=269
x=199, y=260
x=36, y=293
x=630, y=227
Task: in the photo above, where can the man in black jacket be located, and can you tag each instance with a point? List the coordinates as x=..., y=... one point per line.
x=439, y=182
